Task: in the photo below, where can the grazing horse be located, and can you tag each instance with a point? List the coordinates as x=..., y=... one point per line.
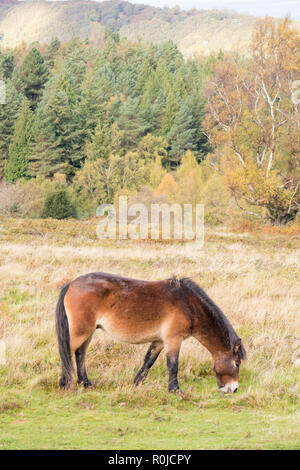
x=163, y=313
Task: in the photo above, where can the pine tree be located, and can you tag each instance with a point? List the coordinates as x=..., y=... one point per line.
x=105, y=141
x=52, y=52
x=171, y=55
x=196, y=104
x=58, y=136
x=126, y=82
x=32, y=76
x=131, y=122
x=182, y=135
x=111, y=42
x=6, y=65
x=144, y=74
x=99, y=146
x=106, y=80
x=17, y=164
x=180, y=84
x=172, y=108
x=151, y=89
x=155, y=113
x=8, y=116
x=92, y=106
x=47, y=157
x=75, y=65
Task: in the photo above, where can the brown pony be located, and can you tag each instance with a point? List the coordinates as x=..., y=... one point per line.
x=163, y=313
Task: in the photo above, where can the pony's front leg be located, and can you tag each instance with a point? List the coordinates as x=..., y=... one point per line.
x=172, y=346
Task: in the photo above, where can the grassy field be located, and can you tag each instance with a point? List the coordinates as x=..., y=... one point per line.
x=251, y=276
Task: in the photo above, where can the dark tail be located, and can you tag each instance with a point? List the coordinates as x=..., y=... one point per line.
x=63, y=336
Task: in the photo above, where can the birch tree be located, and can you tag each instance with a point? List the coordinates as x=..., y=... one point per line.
x=253, y=122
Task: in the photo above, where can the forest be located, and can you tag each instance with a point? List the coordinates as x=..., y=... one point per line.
x=82, y=125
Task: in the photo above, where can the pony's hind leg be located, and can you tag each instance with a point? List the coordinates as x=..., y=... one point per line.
x=152, y=354
x=80, y=354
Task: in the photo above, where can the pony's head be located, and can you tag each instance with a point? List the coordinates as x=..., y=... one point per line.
x=213, y=329
x=226, y=367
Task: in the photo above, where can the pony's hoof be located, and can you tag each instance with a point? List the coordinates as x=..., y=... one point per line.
x=139, y=379
x=177, y=390
x=85, y=383
x=64, y=385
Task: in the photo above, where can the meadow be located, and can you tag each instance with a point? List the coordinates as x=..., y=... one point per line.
x=251, y=275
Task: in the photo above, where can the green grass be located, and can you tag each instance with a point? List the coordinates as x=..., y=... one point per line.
x=92, y=420
x=253, y=279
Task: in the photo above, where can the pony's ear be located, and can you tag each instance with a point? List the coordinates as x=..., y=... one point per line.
x=237, y=345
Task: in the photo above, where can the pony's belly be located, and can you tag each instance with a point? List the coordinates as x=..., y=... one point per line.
x=126, y=334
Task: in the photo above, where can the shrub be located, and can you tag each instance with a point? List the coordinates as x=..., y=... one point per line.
x=12, y=200
x=58, y=205
x=23, y=199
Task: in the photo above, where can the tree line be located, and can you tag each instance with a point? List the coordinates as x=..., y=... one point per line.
x=132, y=116
x=76, y=102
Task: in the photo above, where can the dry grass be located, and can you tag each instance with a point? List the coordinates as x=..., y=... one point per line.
x=252, y=277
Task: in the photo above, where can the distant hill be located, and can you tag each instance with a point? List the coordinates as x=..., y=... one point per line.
x=192, y=31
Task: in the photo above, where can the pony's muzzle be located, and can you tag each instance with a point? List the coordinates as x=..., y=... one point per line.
x=231, y=387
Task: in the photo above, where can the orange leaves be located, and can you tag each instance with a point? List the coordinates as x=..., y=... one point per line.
x=253, y=123
x=167, y=187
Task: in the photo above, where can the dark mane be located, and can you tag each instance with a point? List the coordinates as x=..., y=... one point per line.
x=221, y=322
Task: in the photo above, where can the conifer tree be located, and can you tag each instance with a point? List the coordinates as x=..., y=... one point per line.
x=8, y=115
x=17, y=164
x=6, y=65
x=111, y=42
x=127, y=111
x=196, y=105
x=126, y=83
x=32, y=76
x=144, y=74
x=172, y=108
x=52, y=52
x=99, y=146
x=58, y=137
x=182, y=135
x=47, y=157
x=171, y=55
x=157, y=110
x=92, y=105
x=180, y=85
x=106, y=80
x=131, y=122
x=75, y=65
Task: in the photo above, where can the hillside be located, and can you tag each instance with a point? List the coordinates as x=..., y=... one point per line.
x=40, y=20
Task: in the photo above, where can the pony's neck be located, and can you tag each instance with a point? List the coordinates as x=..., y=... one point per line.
x=211, y=342
x=210, y=326
x=210, y=333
